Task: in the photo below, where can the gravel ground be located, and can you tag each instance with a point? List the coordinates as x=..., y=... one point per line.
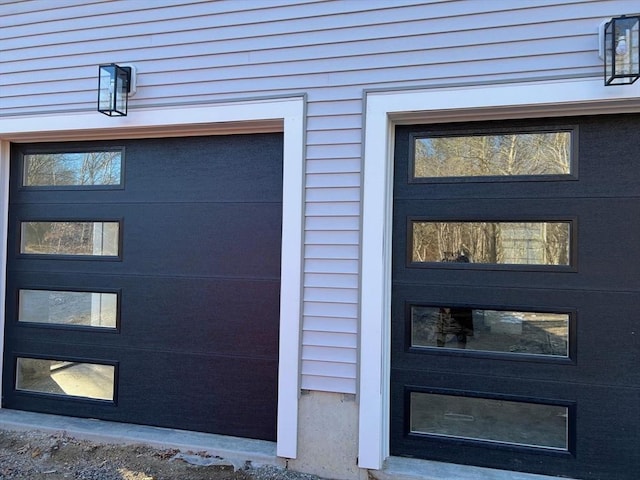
x=40, y=456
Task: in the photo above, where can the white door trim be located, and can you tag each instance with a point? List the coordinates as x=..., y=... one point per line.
x=385, y=109
x=281, y=114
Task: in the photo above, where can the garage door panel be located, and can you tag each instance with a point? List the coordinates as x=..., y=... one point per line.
x=211, y=239
x=235, y=396
x=589, y=454
x=197, y=239
x=222, y=316
x=237, y=317
x=212, y=169
x=610, y=312
x=600, y=251
x=604, y=150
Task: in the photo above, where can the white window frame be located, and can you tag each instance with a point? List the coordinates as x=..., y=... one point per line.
x=384, y=110
x=264, y=115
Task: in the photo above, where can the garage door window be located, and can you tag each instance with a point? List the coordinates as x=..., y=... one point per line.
x=490, y=419
x=66, y=377
x=70, y=238
x=495, y=154
x=72, y=169
x=74, y=309
x=517, y=243
x=499, y=331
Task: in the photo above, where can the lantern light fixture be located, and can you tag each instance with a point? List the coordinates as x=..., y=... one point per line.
x=620, y=49
x=116, y=83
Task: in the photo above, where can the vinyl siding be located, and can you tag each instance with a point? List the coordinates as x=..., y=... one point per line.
x=206, y=51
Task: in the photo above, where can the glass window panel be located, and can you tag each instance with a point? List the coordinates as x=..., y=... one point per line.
x=90, y=309
x=72, y=169
x=519, y=243
x=75, y=379
x=503, y=331
x=70, y=238
x=509, y=154
x=517, y=423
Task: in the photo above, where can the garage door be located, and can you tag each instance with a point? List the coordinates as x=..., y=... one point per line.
x=144, y=280
x=515, y=295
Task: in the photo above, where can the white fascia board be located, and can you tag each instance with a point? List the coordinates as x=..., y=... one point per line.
x=385, y=109
x=287, y=115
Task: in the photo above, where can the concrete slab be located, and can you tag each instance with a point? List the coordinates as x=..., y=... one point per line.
x=397, y=468
x=238, y=451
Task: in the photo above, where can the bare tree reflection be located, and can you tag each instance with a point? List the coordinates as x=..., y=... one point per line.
x=86, y=168
x=534, y=153
x=532, y=243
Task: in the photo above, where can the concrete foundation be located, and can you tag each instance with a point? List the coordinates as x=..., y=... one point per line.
x=328, y=436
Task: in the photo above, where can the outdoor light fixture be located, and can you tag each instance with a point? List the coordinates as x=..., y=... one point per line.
x=620, y=44
x=114, y=87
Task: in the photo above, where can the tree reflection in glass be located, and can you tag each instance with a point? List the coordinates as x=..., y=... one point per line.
x=72, y=169
x=519, y=243
x=513, y=154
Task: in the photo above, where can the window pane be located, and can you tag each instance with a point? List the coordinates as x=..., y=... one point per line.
x=520, y=243
x=533, y=333
x=70, y=238
x=68, y=308
x=518, y=423
x=72, y=169
x=513, y=154
x=88, y=380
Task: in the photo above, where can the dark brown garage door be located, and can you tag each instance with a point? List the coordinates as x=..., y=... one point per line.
x=515, y=295
x=144, y=280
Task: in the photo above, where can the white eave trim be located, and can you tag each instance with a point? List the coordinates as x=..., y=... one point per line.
x=384, y=109
x=263, y=115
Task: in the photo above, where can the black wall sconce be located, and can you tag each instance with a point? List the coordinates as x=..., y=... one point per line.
x=620, y=49
x=115, y=84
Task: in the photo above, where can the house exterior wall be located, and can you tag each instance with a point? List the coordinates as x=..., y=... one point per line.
x=190, y=53
x=202, y=51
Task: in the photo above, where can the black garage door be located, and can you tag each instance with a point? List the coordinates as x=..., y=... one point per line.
x=144, y=280
x=515, y=339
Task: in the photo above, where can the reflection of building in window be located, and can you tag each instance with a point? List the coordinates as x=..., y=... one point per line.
x=534, y=243
x=523, y=243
